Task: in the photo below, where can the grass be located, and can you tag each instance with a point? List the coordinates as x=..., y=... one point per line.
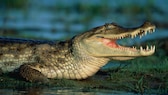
x=143, y=75
x=148, y=64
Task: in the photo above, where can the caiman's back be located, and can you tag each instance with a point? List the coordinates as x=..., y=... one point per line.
x=13, y=53
x=37, y=60
x=16, y=52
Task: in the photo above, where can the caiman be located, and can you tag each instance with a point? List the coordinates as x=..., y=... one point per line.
x=77, y=58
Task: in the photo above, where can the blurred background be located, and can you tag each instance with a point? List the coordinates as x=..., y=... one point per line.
x=62, y=19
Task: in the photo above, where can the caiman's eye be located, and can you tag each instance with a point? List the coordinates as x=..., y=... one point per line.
x=99, y=36
x=111, y=26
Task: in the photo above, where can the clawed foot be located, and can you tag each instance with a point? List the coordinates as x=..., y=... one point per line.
x=32, y=75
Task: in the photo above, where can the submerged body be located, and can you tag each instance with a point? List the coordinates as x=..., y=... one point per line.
x=77, y=58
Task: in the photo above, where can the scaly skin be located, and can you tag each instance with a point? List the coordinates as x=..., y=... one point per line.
x=77, y=58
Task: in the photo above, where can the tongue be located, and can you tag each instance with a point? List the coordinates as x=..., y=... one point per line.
x=110, y=43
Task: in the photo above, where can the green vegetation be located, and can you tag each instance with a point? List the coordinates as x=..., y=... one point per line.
x=16, y=4
x=143, y=75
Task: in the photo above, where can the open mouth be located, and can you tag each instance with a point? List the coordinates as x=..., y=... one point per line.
x=112, y=42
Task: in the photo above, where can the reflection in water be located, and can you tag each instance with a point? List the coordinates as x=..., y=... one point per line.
x=60, y=91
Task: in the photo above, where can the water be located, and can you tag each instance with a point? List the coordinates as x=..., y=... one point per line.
x=59, y=20
x=62, y=91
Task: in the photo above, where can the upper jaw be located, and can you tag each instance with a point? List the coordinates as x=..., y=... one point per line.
x=120, y=32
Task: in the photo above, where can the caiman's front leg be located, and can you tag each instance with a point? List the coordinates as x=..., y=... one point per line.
x=32, y=75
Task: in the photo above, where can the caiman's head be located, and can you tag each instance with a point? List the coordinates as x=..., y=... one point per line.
x=102, y=41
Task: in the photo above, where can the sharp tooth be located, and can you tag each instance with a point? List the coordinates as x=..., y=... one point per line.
x=153, y=48
x=147, y=47
x=141, y=48
x=145, y=32
x=140, y=36
x=132, y=36
x=151, y=30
